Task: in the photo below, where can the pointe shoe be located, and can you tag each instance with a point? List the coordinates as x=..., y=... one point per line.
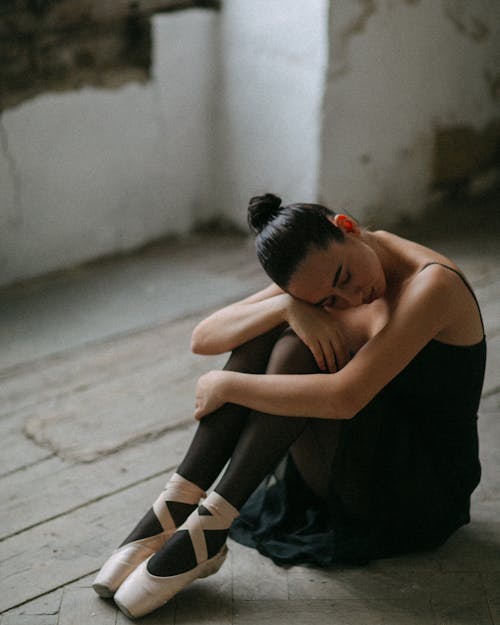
x=129, y=556
x=124, y=560
x=142, y=592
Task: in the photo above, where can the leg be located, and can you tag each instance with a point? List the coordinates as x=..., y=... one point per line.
x=313, y=454
x=262, y=443
x=266, y=438
x=210, y=449
x=197, y=548
x=215, y=437
x=218, y=433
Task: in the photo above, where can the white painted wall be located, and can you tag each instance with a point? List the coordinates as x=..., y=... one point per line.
x=330, y=100
x=399, y=69
x=273, y=62
x=100, y=171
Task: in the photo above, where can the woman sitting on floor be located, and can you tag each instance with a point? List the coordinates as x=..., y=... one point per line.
x=361, y=367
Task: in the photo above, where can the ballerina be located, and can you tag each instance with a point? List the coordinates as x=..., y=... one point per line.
x=361, y=367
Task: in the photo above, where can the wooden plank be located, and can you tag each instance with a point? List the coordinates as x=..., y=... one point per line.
x=65, y=549
x=16, y=450
x=63, y=401
x=257, y=577
x=492, y=377
x=81, y=605
x=208, y=601
x=41, y=611
x=78, y=369
x=53, y=487
x=162, y=616
x=488, y=295
x=109, y=416
x=332, y=611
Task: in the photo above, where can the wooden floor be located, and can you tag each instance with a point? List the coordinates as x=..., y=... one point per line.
x=90, y=433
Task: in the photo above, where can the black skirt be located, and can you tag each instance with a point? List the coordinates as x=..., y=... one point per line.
x=403, y=472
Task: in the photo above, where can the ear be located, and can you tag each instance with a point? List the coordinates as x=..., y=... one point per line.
x=345, y=223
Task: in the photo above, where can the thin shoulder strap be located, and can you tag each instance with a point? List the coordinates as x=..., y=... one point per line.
x=462, y=277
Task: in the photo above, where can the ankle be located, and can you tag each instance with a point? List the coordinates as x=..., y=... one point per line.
x=201, y=537
x=178, y=488
x=176, y=502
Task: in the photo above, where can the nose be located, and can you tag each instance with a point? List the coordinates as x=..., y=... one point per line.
x=354, y=297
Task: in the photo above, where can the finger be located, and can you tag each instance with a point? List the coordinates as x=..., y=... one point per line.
x=319, y=356
x=326, y=348
x=334, y=364
x=198, y=414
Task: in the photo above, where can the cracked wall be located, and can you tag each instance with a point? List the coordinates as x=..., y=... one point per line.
x=411, y=104
x=62, y=45
x=96, y=169
x=377, y=108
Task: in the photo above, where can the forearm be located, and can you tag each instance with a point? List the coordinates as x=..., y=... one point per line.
x=238, y=323
x=308, y=395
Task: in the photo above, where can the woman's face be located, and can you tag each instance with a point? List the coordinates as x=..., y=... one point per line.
x=341, y=276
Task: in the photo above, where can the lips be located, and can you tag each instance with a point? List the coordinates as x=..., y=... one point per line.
x=370, y=297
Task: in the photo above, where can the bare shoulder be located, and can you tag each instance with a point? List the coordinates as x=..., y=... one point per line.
x=417, y=252
x=442, y=286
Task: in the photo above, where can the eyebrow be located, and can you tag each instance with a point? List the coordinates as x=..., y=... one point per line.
x=334, y=284
x=337, y=276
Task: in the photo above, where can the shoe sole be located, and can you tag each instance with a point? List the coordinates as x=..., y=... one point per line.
x=103, y=591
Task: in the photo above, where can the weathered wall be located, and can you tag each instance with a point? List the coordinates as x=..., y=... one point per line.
x=373, y=106
x=272, y=72
x=95, y=171
x=412, y=96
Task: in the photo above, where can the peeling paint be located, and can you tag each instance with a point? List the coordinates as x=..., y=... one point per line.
x=466, y=24
x=462, y=152
x=353, y=28
x=62, y=45
x=15, y=217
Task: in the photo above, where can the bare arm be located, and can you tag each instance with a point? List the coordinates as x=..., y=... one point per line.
x=422, y=312
x=240, y=322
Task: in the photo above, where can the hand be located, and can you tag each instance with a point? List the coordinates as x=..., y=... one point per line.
x=209, y=393
x=318, y=330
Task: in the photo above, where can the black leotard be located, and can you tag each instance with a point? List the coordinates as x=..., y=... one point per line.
x=404, y=470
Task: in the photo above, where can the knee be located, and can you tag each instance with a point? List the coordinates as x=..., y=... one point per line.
x=252, y=356
x=290, y=355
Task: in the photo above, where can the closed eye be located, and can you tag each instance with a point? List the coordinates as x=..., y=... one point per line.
x=346, y=279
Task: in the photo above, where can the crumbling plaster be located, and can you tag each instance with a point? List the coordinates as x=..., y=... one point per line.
x=376, y=107
x=401, y=76
x=95, y=171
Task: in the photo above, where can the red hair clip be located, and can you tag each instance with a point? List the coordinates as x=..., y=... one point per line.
x=345, y=223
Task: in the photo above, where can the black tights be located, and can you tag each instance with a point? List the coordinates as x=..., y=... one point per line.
x=254, y=441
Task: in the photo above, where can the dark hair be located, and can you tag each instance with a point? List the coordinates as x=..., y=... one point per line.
x=285, y=234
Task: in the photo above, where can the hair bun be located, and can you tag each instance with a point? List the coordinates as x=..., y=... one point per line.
x=262, y=209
